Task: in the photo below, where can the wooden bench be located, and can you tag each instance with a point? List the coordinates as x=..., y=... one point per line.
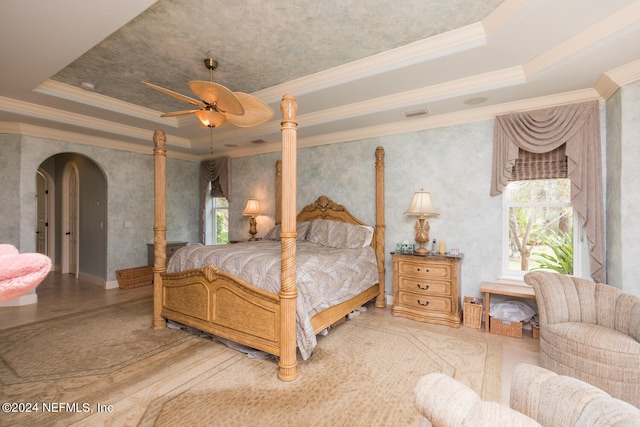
x=489, y=288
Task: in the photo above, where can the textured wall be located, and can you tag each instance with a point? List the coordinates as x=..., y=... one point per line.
x=613, y=190
x=129, y=178
x=10, y=189
x=629, y=188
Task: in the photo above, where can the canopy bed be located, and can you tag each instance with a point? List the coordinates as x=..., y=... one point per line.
x=226, y=305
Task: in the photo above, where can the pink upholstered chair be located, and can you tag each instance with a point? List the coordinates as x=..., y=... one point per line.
x=20, y=273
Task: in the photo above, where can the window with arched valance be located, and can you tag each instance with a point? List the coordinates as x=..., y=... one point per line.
x=215, y=177
x=573, y=128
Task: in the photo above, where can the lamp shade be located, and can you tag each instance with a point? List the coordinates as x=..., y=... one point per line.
x=252, y=209
x=421, y=204
x=210, y=118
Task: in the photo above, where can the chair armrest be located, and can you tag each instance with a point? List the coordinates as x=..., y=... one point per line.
x=627, y=314
x=558, y=400
x=445, y=402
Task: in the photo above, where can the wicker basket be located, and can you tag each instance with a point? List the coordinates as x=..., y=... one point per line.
x=134, y=277
x=535, y=332
x=506, y=328
x=472, y=312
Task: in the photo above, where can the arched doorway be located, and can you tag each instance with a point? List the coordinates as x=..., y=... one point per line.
x=77, y=216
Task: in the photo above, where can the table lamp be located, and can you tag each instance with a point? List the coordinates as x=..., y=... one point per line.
x=253, y=210
x=421, y=205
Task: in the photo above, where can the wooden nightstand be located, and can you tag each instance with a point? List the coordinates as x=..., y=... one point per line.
x=426, y=288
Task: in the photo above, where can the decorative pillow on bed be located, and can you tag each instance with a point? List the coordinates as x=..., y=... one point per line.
x=301, y=229
x=338, y=234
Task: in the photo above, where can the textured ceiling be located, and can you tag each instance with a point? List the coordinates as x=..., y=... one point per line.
x=356, y=67
x=257, y=43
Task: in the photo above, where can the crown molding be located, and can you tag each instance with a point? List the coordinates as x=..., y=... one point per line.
x=625, y=74
x=75, y=94
x=446, y=43
x=608, y=26
x=613, y=80
x=74, y=119
x=503, y=14
x=460, y=39
x=399, y=127
x=114, y=144
x=451, y=119
x=428, y=122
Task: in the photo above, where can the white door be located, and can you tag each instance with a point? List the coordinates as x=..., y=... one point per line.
x=70, y=224
x=41, y=214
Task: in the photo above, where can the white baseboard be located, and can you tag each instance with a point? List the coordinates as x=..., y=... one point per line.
x=26, y=299
x=389, y=299
x=92, y=279
x=111, y=284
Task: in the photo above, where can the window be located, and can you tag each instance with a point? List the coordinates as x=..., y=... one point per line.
x=539, y=228
x=216, y=221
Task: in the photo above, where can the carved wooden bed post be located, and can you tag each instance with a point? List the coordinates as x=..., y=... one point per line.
x=278, y=192
x=160, y=224
x=288, y=364
x=380, y=302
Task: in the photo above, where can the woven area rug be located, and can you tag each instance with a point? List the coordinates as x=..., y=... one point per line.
x=108, y=367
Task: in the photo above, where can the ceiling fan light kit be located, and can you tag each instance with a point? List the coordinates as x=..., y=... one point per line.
x=218, y=104
x=210, y=118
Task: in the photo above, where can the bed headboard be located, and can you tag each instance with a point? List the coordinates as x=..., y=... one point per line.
x=325, y=208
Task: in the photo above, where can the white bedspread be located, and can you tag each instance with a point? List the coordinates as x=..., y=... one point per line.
x=325, y=276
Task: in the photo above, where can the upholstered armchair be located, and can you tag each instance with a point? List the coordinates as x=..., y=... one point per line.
x=538, y=398
x=589, y=331
x=20, y=273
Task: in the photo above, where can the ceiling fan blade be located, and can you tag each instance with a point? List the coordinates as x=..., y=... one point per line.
x=179, y=113
x=213, y=93
x=256, y=112
x=177, y=95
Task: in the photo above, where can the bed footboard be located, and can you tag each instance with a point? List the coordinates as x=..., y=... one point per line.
x=221, y=304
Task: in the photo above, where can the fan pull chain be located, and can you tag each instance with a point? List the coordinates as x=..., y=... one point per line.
x=211, y=145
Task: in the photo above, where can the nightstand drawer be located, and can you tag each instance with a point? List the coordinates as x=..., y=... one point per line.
x=432, y=271
x=427, y=303
x=424, y=287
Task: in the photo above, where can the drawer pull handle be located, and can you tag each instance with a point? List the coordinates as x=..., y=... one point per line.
x=420, y=287
x=426, y=303
x=426, y=269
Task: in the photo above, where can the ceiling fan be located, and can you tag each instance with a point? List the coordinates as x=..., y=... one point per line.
x=218, y=104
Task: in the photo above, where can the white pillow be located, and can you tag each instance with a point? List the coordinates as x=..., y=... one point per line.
x=301, y=229
x=338, y=234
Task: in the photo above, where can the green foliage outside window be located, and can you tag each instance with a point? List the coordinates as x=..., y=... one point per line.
x=540, y=224
x=561, y=258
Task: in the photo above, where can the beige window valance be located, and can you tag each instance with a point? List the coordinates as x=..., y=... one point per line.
x=577, y=126
x=218, y=173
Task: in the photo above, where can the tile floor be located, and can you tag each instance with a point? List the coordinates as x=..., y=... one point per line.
x=62, y=294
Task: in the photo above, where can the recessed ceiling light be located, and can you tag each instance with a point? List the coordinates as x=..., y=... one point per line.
x=88, y=86
x=475, y=101
x=415, y=113
x=259, y=141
